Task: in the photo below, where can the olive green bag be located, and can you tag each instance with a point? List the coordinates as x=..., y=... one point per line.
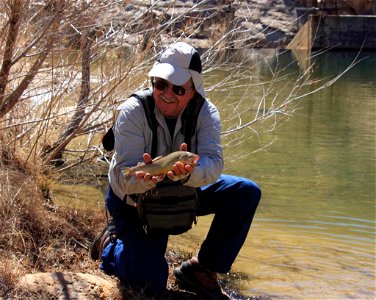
x=169, y=208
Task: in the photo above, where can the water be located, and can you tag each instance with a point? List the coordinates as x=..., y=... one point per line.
x=313, y=236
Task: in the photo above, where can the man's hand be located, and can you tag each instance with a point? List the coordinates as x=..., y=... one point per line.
x=179, y=170
x=147, y=176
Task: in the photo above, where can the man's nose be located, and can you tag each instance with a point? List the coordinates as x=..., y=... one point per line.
x=169, y=91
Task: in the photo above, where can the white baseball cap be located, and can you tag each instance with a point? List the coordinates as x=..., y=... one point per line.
x=177, y=64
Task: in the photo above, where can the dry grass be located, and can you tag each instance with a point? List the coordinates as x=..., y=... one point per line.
x=36, y=235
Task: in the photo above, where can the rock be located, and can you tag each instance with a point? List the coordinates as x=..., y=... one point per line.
x=70, y=285
x=249, y=24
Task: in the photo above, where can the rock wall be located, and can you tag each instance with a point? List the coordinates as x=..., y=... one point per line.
x=336, y=32
x=344, y=32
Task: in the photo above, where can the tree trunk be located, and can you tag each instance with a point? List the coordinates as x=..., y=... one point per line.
x=15, y=11
x=56, y=151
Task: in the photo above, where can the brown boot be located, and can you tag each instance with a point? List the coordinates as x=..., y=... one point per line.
x=194, y=277
x=101, y=242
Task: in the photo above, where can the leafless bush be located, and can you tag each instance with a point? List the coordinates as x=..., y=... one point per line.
x=67, y=64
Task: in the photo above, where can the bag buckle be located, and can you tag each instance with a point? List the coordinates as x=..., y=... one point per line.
x=153, y=192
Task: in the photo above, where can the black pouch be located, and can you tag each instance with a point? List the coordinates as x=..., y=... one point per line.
x=169, y=208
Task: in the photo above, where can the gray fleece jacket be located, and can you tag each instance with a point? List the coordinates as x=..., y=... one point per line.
x=133, y=137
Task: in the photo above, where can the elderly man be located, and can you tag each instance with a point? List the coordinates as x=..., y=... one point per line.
x=137, y=258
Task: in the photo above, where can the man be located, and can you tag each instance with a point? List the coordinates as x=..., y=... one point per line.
x=138, y=259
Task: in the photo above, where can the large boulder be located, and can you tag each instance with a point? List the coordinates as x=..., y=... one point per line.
x=70, y=285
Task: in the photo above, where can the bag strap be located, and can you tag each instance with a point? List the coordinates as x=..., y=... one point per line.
x=111, y=228
x=146, y=98
x=189, y=118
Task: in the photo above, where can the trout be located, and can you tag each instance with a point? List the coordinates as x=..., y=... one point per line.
x=162, y=164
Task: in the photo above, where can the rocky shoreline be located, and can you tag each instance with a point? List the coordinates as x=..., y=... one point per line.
x=94, y=284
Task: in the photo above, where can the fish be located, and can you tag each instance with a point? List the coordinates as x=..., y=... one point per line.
x=162, y=164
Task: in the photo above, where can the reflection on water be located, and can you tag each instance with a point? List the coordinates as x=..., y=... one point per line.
x=314, y=233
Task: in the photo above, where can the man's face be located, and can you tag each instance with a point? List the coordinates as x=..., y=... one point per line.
x=167, y=98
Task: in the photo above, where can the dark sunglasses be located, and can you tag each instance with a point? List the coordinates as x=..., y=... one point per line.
x=162, y=85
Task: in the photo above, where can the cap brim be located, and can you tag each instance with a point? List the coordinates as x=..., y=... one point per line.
x=172, y=73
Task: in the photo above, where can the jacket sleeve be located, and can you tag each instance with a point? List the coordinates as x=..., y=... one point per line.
x=208, y=147
x=131, y=131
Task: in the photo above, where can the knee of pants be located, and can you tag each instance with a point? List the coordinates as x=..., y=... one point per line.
x=241, y=185
x=252, y=189
x=248, y=193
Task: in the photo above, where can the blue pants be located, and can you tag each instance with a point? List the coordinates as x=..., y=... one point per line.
x=138, y=260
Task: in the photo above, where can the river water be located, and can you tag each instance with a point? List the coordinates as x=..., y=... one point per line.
x=313, y=236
